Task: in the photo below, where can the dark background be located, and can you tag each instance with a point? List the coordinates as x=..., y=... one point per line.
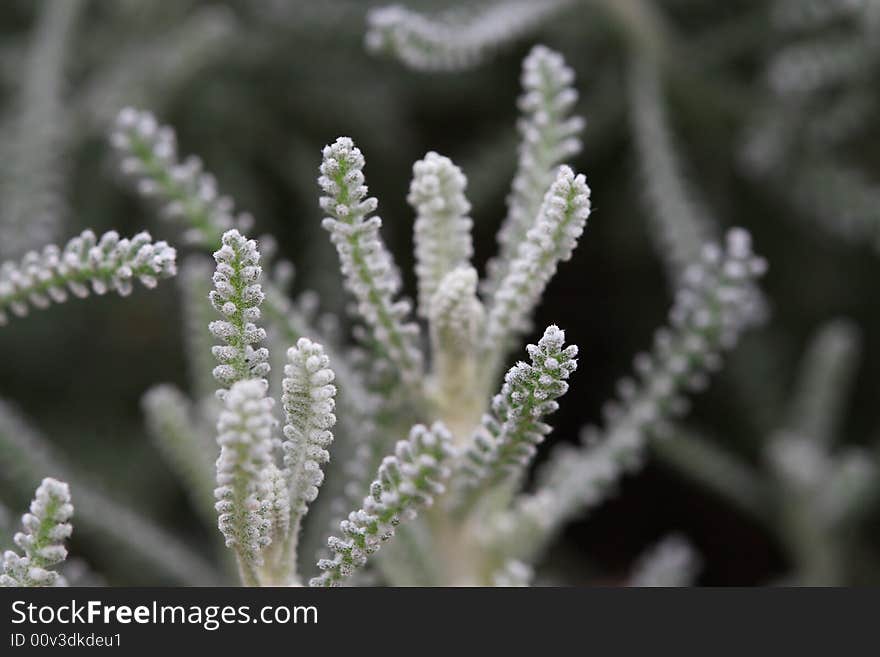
x=287, y=78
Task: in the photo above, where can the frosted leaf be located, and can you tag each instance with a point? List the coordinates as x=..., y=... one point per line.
x=110, y=263
x=406, y=481
x=45, y=528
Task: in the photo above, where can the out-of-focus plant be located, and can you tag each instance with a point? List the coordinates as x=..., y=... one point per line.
x=811, y=495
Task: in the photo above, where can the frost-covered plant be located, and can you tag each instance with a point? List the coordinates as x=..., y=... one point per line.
x=684, y=75
x=407, y=482
x=436, y=440
x=369, y=269
x=45, y=528
x=549, y=136
x=309, y=403
x=450, y=494
x=85, y=262
x=263, y=492
x=189, y=197
x=806, y=122
x=237, y=296
x=442, y=229
x=244, y=433
x=264, y=483
x=509, y=435
x=551, y=239
x=712, y=308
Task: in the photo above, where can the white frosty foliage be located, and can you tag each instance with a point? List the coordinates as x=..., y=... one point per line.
x=369, y=270
x=510, y=435
x=309, y=402
x=442, y=230
x=46, y=527
x=714, y=305
x=456, y=315
x=244, y=433
x=407, y=481
x=85, y=264
x=549, y=136
x=237, y=296
x=550, y=241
